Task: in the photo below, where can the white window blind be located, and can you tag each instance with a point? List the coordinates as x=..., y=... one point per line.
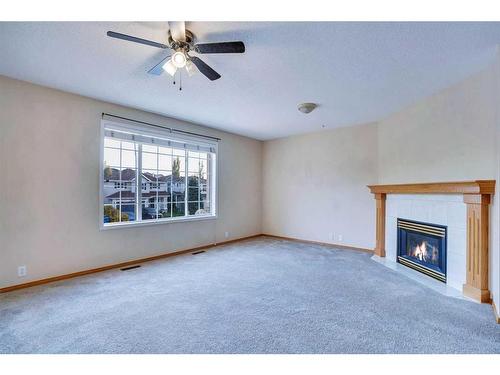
x=143, y=134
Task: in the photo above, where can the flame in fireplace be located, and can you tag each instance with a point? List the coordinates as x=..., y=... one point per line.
x=425, y=252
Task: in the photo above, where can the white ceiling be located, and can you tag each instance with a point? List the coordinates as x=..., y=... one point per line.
x=356, y=72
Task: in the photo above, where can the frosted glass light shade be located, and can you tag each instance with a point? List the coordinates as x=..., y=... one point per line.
x=191, y=68
x=179, y=59
x=169, y=67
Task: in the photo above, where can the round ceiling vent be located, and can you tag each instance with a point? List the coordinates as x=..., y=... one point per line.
x=307, y=107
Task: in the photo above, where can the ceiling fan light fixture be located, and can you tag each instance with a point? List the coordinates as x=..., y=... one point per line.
x=179, y=59
x=169, y=67
x=191, y=68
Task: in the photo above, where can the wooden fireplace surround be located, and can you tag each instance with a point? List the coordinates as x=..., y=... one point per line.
x=477, y=196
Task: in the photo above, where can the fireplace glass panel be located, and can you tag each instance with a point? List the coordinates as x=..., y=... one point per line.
x=422, y=246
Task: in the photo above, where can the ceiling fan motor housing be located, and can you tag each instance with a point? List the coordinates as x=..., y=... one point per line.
x=186, y=45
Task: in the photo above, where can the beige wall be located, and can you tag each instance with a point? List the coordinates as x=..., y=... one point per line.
x=49, y=155
x=495, y=230
x=449, y=136
x=315, y=185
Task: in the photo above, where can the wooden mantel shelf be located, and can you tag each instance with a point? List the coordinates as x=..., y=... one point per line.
x=477, y=196
x=462, y=187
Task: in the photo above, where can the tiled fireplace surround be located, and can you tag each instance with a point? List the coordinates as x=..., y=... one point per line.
x=461, y=206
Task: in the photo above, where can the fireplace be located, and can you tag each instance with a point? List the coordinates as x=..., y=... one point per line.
x=422, y=246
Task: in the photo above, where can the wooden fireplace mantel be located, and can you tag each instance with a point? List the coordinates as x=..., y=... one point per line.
x=477, y=197
x=463, y=187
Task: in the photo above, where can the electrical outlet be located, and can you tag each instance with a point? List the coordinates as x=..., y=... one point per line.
x=226, y=234
x=21, y=271
x=340, y=238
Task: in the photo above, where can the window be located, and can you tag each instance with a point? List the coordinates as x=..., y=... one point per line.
x=155, y=176
x=121, y=185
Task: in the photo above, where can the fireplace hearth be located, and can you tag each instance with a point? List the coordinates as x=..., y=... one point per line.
x=422, y=246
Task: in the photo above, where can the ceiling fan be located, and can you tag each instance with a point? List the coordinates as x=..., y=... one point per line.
x=182, y=42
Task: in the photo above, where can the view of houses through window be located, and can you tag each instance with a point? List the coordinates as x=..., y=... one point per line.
x=173, y=182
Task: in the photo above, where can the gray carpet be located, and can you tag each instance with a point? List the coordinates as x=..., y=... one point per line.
x=258, y=296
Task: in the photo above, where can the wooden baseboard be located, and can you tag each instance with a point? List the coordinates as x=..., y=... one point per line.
x=337, y=246
x=495, y=311
x=118, y=265
x=161, y=256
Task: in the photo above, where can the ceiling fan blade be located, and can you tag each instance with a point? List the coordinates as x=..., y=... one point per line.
x=205, y=69
x=158, y=68
x=222, y=47
x=177, y=30
x=112, y=34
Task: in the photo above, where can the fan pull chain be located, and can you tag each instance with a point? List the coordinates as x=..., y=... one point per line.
x=180, y=80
